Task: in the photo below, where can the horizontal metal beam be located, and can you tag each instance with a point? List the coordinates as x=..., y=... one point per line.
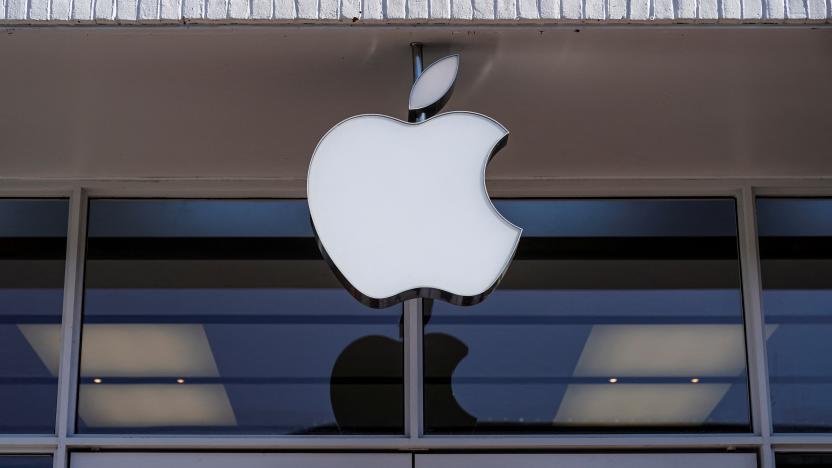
x=513, y=187
x=639, y=441
x=28, y=444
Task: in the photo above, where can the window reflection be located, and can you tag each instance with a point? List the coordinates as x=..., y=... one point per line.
x=25, y=461
x=219, y=316
x=32, y=252
x=796, y=263
x=803, y=460
x=616, y=315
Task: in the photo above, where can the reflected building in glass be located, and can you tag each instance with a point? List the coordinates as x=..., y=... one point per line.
x=796, y=266
x=218, y=320
x=33, y=246
x=211, y=316
x=616, y=316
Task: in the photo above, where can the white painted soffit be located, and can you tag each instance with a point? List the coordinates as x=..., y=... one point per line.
x=219, y=103
x=413, y=11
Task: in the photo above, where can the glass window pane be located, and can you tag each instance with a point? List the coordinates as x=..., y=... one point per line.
x=616, y=315
x=25, y=461
x=219, y=316
x=803, y=460
x=796, y=263
x=669, y=459
x=32, y=252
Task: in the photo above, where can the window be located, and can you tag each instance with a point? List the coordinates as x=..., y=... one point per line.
x=616, y=315
x=32, y=252
x=587, y=460
x=25, y=461
x=219, y=316
x=796, y=265
x=803, y=460
x=240, y=460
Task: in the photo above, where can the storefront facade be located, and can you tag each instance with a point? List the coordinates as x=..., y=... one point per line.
x=164, y=301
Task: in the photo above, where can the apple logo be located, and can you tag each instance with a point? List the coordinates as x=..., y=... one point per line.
x=400, y=209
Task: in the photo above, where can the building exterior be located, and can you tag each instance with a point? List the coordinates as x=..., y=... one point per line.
x=164, y=301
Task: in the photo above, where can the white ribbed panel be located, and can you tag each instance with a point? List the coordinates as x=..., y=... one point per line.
x=39, y=9
x=550, y=9
x=127, y=10
x=708, y=9
x=80, y=8
x=418, y=11
x=306, y=9
x=663, y=9
x=239, y=9
x=460, y=9
x=17, y=9
x=439, y=9
x=527, y=9
x=286, y=9
x=148, y=9
x=396, y=9
x=752, y=9
x=640, y=9
x=373, y=9
x=328, y=9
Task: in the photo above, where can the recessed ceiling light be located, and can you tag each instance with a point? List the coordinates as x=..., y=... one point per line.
x=639, y=404
x=674, y=350
x=613, y=380
x=96, y=380
x=156, y=405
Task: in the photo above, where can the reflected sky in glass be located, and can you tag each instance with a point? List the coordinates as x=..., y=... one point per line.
x=615, y=316
x=796, y=264
x=219, y=316
x=32, y=252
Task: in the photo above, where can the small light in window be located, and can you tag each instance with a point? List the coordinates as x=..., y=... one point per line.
x=96, y=380
x=180, y=380
x=613, y=380
x=694, y=380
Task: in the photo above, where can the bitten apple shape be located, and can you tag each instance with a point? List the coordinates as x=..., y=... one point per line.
x=400, y=209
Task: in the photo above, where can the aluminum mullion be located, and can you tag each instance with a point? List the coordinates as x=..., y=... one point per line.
x=766, y=456
x=796, y=439
x=413, y=382
x=71, y=323
x=754, y=322
x=27, y=444
x=357, y=443
x=789, y=442
x=60, y=457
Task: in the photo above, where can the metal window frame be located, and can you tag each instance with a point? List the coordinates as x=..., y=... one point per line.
x=743, y=190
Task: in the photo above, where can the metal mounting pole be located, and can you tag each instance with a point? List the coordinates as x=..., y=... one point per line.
x=416, y=52
x=413, y=338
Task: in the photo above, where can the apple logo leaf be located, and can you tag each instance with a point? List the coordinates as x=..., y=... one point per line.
x=433, y=88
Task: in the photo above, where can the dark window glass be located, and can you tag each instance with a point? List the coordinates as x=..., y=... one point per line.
x=615, y=315
x=25, y=461
x=32, y=252
x=796, y=263
x=219, y=316
x=803, y=460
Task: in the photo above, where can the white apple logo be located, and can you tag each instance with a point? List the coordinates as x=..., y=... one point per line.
x=400, y=210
